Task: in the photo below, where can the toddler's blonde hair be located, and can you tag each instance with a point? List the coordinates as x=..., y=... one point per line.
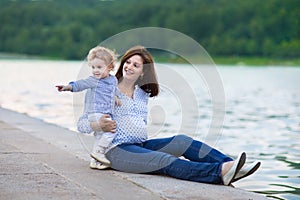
x=102, y=53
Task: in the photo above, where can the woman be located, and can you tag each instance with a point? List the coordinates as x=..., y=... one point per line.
x=131, y=150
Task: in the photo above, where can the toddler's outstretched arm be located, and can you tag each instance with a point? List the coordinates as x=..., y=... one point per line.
x=61, y=88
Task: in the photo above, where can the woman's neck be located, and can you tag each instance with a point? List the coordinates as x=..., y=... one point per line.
x=126, y=88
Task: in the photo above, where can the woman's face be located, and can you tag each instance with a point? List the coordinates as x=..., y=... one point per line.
x=133, y=68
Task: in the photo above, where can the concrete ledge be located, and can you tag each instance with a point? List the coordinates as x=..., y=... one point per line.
x=45, y=161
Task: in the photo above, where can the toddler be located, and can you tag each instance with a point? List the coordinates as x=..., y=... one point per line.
x=100, y=96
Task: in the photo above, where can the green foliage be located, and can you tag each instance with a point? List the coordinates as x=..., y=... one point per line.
x=68, y=29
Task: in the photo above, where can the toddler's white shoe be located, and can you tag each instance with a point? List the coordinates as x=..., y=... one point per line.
x=100, y=157
x=94, y=164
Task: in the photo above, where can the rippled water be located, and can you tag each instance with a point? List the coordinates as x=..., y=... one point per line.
x=262, y=113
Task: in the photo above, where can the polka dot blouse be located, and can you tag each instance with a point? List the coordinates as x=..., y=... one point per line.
x=131, y=118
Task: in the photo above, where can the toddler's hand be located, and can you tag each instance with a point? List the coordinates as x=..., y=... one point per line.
x=118, y=102
x=59, y=87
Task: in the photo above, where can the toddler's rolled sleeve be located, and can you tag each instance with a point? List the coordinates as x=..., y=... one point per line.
x=83, y=124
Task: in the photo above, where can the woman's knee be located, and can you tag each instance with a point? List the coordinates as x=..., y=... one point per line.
x=183, y=140
x=183, y=137
x=178, y=145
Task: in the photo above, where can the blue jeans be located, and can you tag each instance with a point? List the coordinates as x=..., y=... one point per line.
x=202, y=163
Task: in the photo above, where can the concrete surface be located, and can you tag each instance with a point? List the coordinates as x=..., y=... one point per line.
x=44, y=161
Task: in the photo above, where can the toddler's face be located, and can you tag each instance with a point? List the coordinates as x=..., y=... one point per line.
x=99, y=68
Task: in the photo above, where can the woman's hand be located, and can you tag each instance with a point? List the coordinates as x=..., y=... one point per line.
x=104, y=124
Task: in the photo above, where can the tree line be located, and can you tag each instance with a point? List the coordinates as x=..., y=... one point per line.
x=68, y=29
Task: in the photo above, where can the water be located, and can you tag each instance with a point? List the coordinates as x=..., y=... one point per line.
x=262, y=112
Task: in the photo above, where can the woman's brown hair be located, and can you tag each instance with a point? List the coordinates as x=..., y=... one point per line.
x=148, y=82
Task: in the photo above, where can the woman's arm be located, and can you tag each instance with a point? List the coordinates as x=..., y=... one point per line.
x=104, y=124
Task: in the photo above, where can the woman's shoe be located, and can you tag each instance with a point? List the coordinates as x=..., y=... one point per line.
x=237, y=165
x=247, y=170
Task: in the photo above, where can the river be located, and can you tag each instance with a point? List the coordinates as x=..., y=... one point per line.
x=260, y=112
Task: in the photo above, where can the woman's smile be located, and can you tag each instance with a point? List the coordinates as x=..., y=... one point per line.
x=133, y=67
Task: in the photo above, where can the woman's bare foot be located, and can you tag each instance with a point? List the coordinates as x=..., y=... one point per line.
x=231, y=168
x=226, y=167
